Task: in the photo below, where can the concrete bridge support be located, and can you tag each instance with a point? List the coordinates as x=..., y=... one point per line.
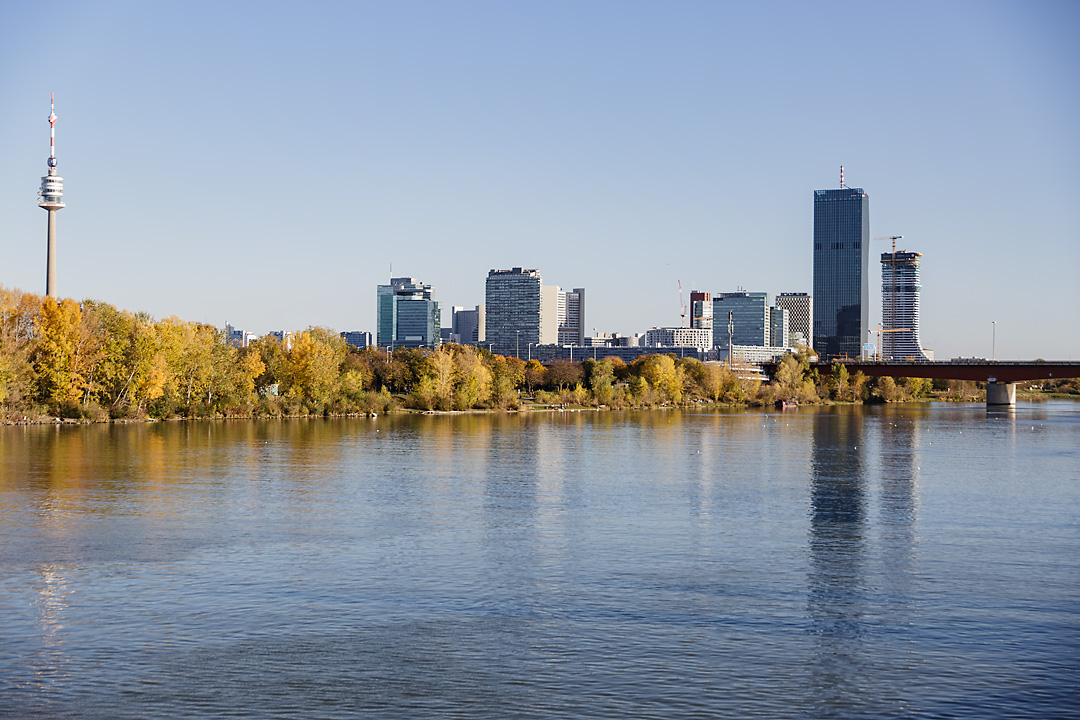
x=999, y=393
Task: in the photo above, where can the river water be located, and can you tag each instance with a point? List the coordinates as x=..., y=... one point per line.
x=880, y=562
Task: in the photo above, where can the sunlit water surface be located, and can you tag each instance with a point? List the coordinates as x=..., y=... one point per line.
x=916, y=561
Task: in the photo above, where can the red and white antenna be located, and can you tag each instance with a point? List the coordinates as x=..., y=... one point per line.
x=841, y=177
x=52, y=130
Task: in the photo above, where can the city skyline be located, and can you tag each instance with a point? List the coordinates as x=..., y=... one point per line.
x=618, y=147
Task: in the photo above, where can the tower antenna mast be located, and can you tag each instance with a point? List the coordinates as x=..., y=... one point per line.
x=841, y=177
x=51, y=199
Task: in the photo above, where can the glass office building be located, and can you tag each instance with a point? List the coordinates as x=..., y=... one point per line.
x=407, y=315
x=750, y=318
x=841, y=272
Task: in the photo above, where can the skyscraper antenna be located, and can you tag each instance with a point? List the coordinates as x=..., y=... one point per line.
x=841, y=177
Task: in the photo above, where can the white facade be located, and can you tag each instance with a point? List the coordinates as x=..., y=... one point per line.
x=572, y=317
x=800, y=307
x=700, y=338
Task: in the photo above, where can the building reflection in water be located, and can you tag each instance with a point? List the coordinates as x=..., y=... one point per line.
x=838, y=528
x=862, y=561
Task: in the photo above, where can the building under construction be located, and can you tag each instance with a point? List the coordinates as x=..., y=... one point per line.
x=900, y=287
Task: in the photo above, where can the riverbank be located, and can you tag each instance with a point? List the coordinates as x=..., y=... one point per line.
x=525, y=407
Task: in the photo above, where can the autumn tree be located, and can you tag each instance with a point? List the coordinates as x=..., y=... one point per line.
x=692, y=371
x=443, y=367
x=661, y=373
x=474, y=379
x=534, y=375
x=507, y=375
x=312, y=368
x=18, y=316
x=55, y=352
x=562, y=374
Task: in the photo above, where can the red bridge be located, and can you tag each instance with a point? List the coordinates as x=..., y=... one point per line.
x=1000, y=376
x=982, y=370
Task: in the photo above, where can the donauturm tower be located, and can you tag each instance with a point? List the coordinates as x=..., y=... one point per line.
x=51, y=199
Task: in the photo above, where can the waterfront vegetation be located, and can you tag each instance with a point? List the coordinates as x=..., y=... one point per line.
x=92, y=361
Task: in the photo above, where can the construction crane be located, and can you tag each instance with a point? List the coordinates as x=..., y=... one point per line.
x=879, y=331
x=892, y=280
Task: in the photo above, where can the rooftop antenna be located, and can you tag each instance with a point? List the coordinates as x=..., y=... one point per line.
x=52, y=130
x=841, y=177
x=51, y=198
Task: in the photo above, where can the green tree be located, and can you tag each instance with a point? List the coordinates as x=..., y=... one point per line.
x=840, y=382
x=602, y=381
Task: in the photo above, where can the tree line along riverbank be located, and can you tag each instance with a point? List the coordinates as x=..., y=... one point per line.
x=91, y=361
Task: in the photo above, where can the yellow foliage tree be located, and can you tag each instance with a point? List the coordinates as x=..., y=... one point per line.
x=660, y=372
x=56, y=352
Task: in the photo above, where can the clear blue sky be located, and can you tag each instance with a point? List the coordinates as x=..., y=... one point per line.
x=264, y=163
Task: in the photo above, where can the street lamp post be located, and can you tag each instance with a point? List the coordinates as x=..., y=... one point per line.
x=730, y=332
x=993, y=342
x=517, y=344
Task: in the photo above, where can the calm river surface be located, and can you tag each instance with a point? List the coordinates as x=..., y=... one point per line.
x=887, y=562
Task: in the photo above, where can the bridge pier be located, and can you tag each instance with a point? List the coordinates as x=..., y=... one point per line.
x=999, y=393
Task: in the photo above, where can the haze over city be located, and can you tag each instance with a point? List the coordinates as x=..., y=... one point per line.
x=265, y=164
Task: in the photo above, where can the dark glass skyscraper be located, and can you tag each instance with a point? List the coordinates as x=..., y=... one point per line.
x=841, y=272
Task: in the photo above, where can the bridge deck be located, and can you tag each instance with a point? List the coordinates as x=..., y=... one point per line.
x=982, y=370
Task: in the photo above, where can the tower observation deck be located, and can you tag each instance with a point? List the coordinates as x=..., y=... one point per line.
x=51, y=198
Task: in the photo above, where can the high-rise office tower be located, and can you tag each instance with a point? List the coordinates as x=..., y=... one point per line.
x=900, y=289
x=841, y=271
x=751, y=319
x=521, y=311
x=701, y=310
x=800, y=307
x=572, y=317
x=51, y=194
x=407, y=314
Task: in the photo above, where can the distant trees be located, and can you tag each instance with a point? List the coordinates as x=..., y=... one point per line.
x=91, y=360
